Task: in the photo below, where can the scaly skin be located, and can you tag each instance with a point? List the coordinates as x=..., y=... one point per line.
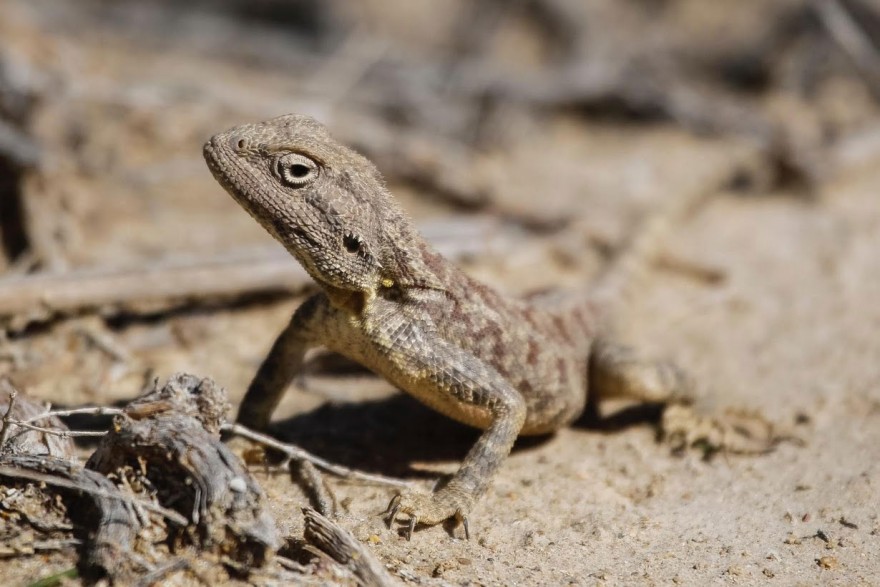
x=393, y=304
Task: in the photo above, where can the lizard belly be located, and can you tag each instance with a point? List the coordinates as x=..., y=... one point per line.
x=464, y=412
x=550, y=378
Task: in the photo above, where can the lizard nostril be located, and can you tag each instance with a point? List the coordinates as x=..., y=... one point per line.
x=237, y=143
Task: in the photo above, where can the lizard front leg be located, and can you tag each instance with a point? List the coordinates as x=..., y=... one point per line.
x=458, y=384
x=282, y=363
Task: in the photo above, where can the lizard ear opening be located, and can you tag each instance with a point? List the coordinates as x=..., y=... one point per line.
x=296, y=170
x=352, y=243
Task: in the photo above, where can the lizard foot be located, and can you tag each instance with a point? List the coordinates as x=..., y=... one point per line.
x=430, y=509
x=737, y=432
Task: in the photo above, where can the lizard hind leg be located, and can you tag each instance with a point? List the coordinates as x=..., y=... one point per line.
x=618, y=371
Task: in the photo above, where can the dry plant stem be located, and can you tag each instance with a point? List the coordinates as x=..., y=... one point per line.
x=63, y=433
x=290, y=565
x=39, y=547
x=57, y=432
x=157, y=576
x=314, y=485
x=51, y=439
x=162, y=284
x=847, y=33
x=345, y=549
x=103, y=340
x=16, y=473
x=95, y=411
x=294, y=452
x=4, y=432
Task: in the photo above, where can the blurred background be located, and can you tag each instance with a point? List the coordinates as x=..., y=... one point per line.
x=526, y=107
x=525, y=137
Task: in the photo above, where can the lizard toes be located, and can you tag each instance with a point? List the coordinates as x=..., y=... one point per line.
x=428, y=509
x=732, y=432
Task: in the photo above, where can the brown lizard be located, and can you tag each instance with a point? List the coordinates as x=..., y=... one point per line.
x=390, y=302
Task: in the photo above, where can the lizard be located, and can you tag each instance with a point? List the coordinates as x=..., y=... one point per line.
x=390, y=302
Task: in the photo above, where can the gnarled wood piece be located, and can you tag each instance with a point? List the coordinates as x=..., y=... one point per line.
x=172, y=436
x=346, y=550
x=104, y=518
x=17, y=440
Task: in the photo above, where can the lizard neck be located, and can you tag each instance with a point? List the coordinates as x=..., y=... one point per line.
x=408, y=261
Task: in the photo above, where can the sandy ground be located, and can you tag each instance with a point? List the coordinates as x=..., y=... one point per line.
x=789, y=330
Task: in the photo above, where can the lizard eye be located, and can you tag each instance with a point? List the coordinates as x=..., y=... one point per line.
x=296, y=170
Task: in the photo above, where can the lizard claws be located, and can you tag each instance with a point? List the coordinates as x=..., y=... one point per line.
x=412, y=527
x=464, y=522
x=423, y=509
x=393, y=509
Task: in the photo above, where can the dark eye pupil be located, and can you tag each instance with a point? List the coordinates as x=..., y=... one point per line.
x=351, y=244
x=298, y=170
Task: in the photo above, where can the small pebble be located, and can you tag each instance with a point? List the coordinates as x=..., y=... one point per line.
x=238, y=485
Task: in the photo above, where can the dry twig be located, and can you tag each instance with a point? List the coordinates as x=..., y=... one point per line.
x=103, y=516
x=296, y=453
x=158, y=575
x=18, y=473
x=163, y=284
x=847, y=33
x=7, y=420
x=51, y=439
x=39, y=546
x=314, y=485
x=63, y=433
x=345, y=549
x=94, y=411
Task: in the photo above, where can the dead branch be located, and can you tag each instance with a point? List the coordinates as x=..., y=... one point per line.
x=172, y=436
x=345, y=549
x=94, y=411
x=314, y=485
x=439, y=166
x=56, y=432
x=39, y=546
x=19, y=155
x=104, y=517
x=164, y=284
x=847, y=33
x=159, y=575
x=295, y=453
x=103, y=492
x=7, y=416
x=17, y=147
x=20, y=437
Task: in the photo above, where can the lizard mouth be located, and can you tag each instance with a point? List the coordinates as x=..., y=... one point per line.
x=210, y=153
x=223, y=164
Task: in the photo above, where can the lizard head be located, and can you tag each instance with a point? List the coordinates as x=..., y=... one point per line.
x=325, y=203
